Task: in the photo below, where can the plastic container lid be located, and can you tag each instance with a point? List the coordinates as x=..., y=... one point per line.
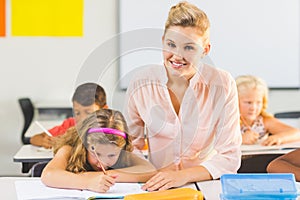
x=258, y=186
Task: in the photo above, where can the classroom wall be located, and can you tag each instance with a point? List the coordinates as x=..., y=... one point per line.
x=233, y=27
x=46, y=69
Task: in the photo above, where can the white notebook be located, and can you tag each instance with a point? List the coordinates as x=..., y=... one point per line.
x=36, y=190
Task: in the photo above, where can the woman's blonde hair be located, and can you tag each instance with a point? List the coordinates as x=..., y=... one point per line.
x=247, y=82
x=188, y=15
x=80, y=141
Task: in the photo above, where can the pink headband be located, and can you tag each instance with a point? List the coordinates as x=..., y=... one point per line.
x=107, y=131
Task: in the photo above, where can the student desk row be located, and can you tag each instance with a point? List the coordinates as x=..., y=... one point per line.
x=252, y=161
x=254, y=157
x=210, y=189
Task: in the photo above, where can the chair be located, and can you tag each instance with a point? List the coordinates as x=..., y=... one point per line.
x=37, y=168
x=28, y=113
x=295, y=114
x=290, y=118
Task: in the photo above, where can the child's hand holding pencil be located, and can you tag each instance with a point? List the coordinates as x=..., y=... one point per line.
x=43, y=128
x=44, y=139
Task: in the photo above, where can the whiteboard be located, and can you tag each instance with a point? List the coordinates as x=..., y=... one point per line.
x=258, y=37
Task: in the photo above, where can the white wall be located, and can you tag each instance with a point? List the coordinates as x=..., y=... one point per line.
x=46, y=70
x=284, y=100
x=234, y=29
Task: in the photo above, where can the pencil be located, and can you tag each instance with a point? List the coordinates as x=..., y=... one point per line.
x=43, y=128
x=197, y=187
x=102, y=168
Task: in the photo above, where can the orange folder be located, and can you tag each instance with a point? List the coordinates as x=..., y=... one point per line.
x=174, y=194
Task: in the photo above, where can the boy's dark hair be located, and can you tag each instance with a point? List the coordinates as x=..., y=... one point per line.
x=89, y=93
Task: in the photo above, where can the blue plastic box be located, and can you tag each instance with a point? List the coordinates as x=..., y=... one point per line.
x=258, y=186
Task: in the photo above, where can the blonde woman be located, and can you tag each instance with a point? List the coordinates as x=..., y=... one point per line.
x=189, y=109
x=256, y=123
x=96, y=155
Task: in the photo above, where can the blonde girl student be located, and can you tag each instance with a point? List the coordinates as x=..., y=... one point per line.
x=188, y=108
x=96, y=155
x=256, y=124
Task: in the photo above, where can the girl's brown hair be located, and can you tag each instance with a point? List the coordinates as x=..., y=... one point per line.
x=80, y=141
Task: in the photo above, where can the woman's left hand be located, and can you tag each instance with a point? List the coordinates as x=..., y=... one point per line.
x=165, y=180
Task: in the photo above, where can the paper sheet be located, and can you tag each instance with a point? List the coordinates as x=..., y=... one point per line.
x=35, y=189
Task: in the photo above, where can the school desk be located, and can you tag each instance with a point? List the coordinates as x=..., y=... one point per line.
x=7, y=184
x=256, y=149
x=255, y=158
x=211, y=189
x=28, y=155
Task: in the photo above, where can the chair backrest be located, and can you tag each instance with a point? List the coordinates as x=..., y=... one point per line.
x=37, y=168
x=290, y=118
x=295, y=114
x=28, y=113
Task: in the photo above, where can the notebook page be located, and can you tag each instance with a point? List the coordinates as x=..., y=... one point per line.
x=35, y=189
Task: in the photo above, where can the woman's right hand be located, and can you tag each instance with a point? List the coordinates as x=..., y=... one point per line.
x=250, y=137
x=100, y=183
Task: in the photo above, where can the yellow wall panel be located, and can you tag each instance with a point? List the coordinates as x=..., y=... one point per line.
x=47, y=17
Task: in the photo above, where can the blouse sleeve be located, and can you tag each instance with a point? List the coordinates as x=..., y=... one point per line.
x=228, y=137
x=133, y=119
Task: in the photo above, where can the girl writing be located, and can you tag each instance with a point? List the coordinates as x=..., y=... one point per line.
x=96, y=155
x=255, y=122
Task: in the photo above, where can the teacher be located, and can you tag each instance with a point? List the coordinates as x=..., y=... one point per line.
x=185, y=109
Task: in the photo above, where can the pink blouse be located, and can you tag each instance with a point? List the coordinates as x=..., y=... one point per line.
x=206, y=130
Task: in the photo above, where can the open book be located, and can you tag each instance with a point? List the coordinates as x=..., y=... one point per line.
x=36, y=190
